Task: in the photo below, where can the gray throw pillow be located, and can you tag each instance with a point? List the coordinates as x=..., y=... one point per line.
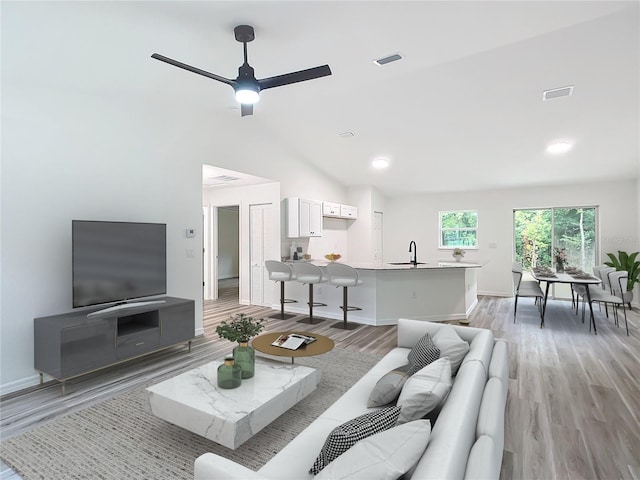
x=388, y=388
x=451, y=345
x=422, y=354
x=345, y=436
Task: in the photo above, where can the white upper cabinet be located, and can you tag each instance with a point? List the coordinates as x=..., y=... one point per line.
x=304, y=217
x=336, y=210
x=331, y=209
x=347, y=211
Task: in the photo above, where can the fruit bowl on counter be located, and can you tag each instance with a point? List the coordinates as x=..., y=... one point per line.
x=332, y=257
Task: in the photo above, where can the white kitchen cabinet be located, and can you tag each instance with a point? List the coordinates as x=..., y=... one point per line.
x=347, y=211
x=336, y=210
x=304, y=217
x=331, y=209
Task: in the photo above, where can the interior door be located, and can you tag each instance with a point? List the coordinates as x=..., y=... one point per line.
x=260, y=246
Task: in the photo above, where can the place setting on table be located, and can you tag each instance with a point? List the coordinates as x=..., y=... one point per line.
x=565, y=274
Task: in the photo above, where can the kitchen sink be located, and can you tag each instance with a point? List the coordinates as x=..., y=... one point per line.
x=406, y=263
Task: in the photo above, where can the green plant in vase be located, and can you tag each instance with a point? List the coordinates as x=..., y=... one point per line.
x=241, y=329
x=560, y=257
x=626, y=262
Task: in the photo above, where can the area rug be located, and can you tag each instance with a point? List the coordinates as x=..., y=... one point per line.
x=119, y=439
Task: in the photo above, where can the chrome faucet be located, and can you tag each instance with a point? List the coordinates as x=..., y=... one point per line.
x=414, y=258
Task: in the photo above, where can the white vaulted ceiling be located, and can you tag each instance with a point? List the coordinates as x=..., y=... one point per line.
x=462, y=110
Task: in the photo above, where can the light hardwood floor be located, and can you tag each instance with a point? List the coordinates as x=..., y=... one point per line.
x=572, y=409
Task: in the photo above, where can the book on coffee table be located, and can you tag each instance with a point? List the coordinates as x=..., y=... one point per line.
x=292, y=341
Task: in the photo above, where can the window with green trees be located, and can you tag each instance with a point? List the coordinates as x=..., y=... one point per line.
x=537, y=232
x=459, y=229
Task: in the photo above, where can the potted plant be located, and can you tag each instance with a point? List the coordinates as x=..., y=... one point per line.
x=560, y=256
x=458, y=253
x=626, y=262
x=241, y=329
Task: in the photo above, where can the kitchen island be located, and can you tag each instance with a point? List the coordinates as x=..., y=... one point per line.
x=435, y=292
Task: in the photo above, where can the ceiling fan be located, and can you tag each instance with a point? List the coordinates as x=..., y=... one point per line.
x=246, y=86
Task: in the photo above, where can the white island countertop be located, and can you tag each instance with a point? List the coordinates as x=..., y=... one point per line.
x=405, y=266
x=441, y=290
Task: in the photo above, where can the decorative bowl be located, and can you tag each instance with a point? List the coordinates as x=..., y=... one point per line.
x=332, y=257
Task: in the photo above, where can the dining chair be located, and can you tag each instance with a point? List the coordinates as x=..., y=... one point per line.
x=527, y=288
x=618, y=283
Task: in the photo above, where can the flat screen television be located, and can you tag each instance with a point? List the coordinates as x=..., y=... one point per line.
x=117, y=261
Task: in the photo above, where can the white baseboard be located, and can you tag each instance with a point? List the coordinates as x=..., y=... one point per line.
x=21, y=384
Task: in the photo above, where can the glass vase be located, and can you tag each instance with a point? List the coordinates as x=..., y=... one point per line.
x=559, y=266
x=245, y=357
x=229, y=374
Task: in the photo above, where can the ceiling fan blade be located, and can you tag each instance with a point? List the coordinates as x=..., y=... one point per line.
x=246, y=109
x=184, y=66
x=294, y=77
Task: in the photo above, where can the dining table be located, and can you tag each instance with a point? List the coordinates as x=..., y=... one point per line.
x=574, y=278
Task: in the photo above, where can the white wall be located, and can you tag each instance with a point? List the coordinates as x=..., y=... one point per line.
x=416, y=218
x=228, y=243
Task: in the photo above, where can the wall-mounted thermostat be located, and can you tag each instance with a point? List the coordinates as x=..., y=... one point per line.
x=191, y=232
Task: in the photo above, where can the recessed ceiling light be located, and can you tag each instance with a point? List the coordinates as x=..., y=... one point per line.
x=380, y=163
x=559, y=147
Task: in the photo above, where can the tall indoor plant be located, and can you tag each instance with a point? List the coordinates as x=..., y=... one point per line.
x=626, y=262
x=241, y=329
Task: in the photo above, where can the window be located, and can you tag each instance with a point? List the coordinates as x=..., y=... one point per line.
x=459, y=229
x=537, y=232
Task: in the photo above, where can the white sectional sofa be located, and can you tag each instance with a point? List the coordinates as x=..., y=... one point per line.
x=466, y=441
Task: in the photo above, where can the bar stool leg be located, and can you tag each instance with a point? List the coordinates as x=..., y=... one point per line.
x=344, y=325
x=310, y=319
x=282, y=315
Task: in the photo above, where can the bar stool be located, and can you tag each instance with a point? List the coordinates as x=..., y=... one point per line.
x=281, y=272
x=306, y=273
x=344, y=276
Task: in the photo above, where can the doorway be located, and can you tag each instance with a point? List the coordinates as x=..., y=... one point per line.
x=540, y=234
x=228, y=258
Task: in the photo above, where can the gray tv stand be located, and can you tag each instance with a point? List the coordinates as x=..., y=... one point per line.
x=76, y=343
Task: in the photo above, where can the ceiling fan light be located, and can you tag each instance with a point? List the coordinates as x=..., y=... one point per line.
x=247, y=95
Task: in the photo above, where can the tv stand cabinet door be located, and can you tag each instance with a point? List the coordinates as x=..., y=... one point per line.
x=87, y=347
x=177, y=323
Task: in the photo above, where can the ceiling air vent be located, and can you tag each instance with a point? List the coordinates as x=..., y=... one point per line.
x=346, y=134
x=384, y=60
x=224, y=178
x=557, y=92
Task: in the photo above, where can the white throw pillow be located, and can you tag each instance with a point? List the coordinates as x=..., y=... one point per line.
x=424, y=391
x=345, y=436
x=383, y=456
x=451, y=345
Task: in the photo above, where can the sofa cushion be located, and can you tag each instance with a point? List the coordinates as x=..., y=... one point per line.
x=480, y=464
x=422, y=354
x=343, y=437
x=425, y=390
x=451, y=345
x=386, y=455
x=388, y=388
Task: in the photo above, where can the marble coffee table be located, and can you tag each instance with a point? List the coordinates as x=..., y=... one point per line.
x=193, y=401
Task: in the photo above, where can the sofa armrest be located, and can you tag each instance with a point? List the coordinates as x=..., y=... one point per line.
x=210, y=466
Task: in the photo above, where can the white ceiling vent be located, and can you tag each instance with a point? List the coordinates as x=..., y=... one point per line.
x=224, y=178
x=388, y=59
x=346, y=134
x=557, y=92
